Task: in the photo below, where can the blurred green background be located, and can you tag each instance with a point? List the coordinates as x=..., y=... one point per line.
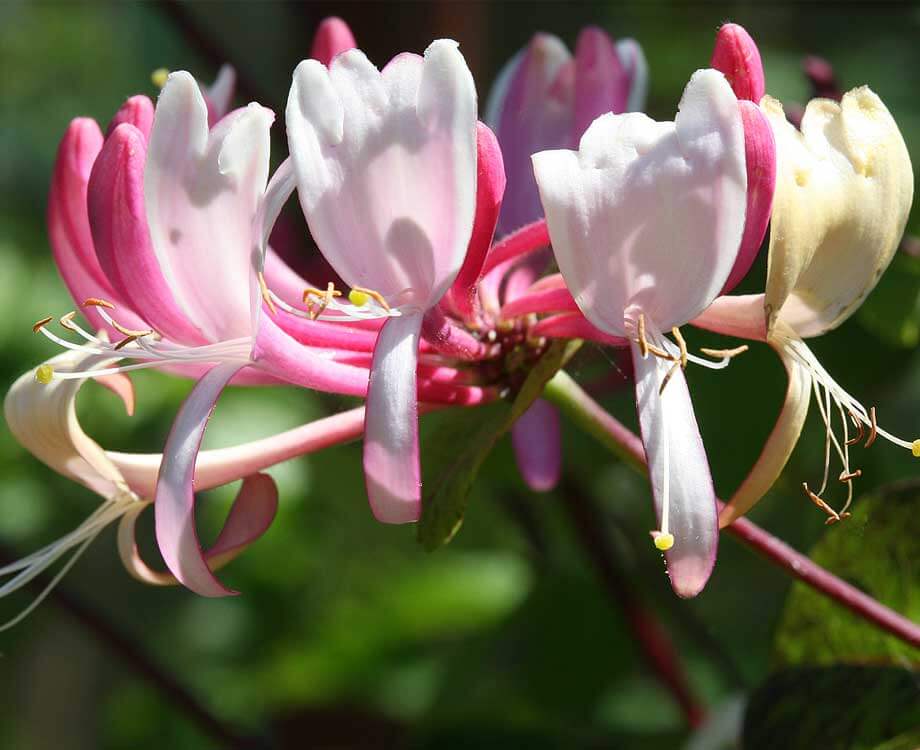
x=347, y=633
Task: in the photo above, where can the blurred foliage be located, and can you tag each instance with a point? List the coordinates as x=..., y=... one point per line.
x=878, y=554
x=834, y=708
x=349, y=634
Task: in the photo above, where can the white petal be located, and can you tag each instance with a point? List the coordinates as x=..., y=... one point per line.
x=679, y=469
x=202, y=192
x=386, y=167
x=647, y=213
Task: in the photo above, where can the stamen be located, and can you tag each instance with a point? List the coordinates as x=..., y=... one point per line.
x=325, y=299
x=44, y=374
x=41, y=324
x=376, y=296
x=663, y=542
x=668, y=376
x=159, y=76
x=873, y=427
x=859, y=426
x=819, y=502
x=125, y=341
x=266, y=294
x=724, y=353
x=678, y=337
x=643, y=344
x=844, y=477
x=97, y=302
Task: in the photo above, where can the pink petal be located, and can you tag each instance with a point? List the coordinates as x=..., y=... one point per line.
x=736, y=55
x=601, y=83
x=332, y=38
x=122, y=386
x=326, y=334
x=537, y=441
x=739, y=315
x=278, y=354
x=650, y=214
x=391, y=452
x=530, y=109
x=528, y=239
x=632, y=58
x=575, y=326
x=760, y=159
x=218, y=96
x=545, y=300
x=119, y=224
x=250, y=516
x=490, y=187
x=677, y=459
x=68, y=224
x=202, y=192
x=136, y=111
x=174, y=504
x=386, y=168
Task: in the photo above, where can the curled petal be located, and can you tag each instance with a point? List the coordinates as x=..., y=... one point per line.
x=115, y=201
x=122, y=386
x=391, y=453
x=537, y=441
x=650, y=214
x=386, y=168
x=739, y=315
x=43, y=419
x=332, y=38
x=736, y=55
x=679, y=472
x=136, y=111
x=250, y=516
x=174, y=504
x=844, y=187
x=490, y=188
x=779, y=444
x=760, y=159
x=219, y=95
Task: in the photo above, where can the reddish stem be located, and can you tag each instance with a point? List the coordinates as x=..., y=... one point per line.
x=527, y=239
x=572, y=400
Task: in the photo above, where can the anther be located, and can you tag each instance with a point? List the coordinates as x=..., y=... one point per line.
x=159, y=76
x=130, y=331
x=725, y=353
x=325, y=299
x=845, y=477
x=678, y=337
x=96, y=302
x=668, y=376
x=44, y=374
x=266, y=294
x=663, y=542
x=39, y=324
x=129, y=339
x=818, y=501
x=66, y=320
x=859, y=426
x=643, y=344
x=374, y=295
x=873, y=427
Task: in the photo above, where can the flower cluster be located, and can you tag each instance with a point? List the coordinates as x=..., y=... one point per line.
x=466, y=247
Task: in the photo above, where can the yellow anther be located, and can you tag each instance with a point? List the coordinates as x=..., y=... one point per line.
x=915, y=448
x=668, y=376
x=358, y=298
x=41, y=324
x=664, y=542
x=159, y=76
x=675, y=331
x=44, y=374
x=643, y=344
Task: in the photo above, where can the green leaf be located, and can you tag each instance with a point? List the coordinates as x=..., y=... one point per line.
x=455, y=450
x=833, y=708
x=892, y=311
x=875, y=550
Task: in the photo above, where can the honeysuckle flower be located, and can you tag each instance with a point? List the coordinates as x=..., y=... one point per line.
x=646, y=219
x=545, y=98
x=844, y=190
x=386, y=167
x=42, y=417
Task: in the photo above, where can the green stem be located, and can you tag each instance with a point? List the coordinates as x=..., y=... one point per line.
x=584, y=411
